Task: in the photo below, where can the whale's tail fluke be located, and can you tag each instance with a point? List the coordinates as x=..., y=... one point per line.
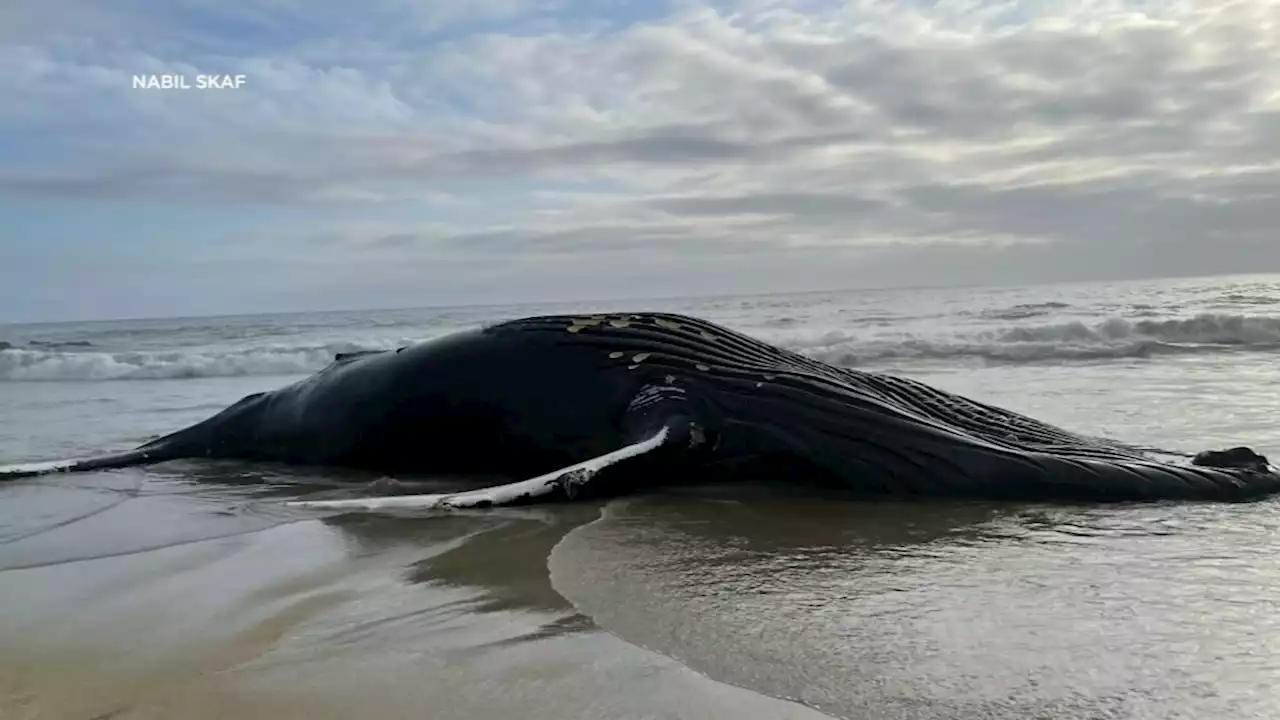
x=194, y=440
x=129, y=458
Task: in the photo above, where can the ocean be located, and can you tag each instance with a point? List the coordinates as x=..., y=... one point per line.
x=187, y=590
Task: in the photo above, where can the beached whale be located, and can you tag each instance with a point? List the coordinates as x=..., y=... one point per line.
x=594, y=405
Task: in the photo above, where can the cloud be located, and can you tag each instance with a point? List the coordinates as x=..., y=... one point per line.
x=956, y=141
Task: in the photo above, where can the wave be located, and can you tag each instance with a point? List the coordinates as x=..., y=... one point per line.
x=58, y=344
x=1246, y=299
x=1113, y=338
x=23, y=364
x=1024, y=310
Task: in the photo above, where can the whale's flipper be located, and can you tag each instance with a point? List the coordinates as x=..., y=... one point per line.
x=128, y=458
x=660, y=417
x=558, y=484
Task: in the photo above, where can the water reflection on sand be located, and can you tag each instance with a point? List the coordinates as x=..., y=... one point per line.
x=141, y=595
x=947, y=610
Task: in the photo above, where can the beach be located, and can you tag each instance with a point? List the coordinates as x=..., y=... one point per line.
x=188, y=590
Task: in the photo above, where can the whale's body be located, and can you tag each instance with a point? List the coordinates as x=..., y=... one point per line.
x=604, y=404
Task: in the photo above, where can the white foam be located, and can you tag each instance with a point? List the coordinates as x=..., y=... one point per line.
x=1103, y=339
x=35, y=365
x=849, y=344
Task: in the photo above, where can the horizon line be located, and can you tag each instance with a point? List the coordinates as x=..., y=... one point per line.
x=698, y=296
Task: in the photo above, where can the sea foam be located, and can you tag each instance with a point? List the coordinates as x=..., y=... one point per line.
x=1111, y=338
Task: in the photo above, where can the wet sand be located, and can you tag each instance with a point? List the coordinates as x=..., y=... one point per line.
x=954, y=610
x=161, y=594
x=281, y=616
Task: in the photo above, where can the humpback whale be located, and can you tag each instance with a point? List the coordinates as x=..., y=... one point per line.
x=571, y=406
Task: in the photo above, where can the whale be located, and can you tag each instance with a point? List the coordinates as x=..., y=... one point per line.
x=572, y=406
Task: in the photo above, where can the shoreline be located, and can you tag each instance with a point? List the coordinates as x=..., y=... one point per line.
x=336, y=618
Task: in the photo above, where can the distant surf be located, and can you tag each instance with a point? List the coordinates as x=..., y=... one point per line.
x=1111, y=338
x=21, y=364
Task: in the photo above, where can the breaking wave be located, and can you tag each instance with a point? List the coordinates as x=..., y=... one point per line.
x=22, y=364
x=1114, y=338
x=1231, y=299
x=1025, y=310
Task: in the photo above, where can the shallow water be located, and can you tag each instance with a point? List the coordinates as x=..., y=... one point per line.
x=354, y=617
x=187, y=590
x=911, y=610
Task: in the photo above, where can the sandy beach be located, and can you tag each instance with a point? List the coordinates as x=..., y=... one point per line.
x=452, y=617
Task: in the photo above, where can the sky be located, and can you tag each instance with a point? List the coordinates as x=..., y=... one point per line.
x=397, y=153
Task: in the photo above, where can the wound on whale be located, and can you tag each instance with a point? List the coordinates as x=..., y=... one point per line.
x=570, y=406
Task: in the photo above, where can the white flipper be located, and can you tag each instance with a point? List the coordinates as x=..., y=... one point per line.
x=566, y=478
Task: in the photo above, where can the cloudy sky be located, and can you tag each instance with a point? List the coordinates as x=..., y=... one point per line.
x=413, y=152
